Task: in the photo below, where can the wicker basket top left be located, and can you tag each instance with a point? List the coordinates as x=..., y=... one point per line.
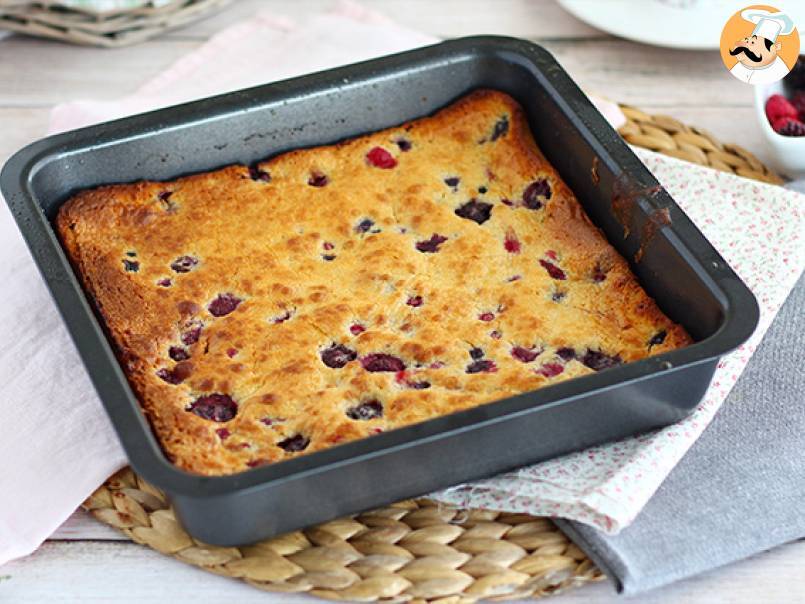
x=51, y=19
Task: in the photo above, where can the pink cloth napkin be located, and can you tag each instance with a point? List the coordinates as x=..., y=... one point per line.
x=63, y=447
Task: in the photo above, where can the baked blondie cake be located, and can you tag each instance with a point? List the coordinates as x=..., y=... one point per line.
x=329, y=294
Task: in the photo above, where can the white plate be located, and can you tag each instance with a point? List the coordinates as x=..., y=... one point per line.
x=660, y=23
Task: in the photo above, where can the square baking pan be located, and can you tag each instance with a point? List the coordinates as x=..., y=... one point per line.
x=673, y=261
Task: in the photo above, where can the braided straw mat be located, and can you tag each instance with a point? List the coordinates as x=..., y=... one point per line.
x=413, y=551
x=51, y=19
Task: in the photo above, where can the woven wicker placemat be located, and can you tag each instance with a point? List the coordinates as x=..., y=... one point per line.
x=416, y=550
x=669, y=136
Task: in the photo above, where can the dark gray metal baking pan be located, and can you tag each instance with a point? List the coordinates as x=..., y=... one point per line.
x=678, y=267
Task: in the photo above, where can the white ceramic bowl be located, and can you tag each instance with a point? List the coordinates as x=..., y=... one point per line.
x=787, y=152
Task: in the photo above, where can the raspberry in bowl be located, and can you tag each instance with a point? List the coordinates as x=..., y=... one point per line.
x=780, y=108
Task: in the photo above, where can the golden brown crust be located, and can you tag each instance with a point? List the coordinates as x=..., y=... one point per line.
x=311, y=273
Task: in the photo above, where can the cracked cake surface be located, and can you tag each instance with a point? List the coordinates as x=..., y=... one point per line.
x=332, y=293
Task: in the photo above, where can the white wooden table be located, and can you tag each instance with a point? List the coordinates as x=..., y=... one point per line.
x=86, y=561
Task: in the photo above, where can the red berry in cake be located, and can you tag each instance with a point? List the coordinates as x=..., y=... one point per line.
x=404, y=144
x=184, y=264
x=566, y=354
x=597, y=360
x=364, y=225
x=486, y=316
x=536, y=193
x=169, y=376
x=258, y=174
x=283, y=317
x=366, y=411
x=177, y=353
x=431, y=246
x=164, y=282
x=500, y=129
x=356, y=329
x=223, y=433
x=658, y=338
x=165, y=201
x=379, y=361
x=231, y=352
x=510, y=243
x=525, y=355
x=337, y=355
x=192, y=332
x=422, y=385
x=131, y=266
x=777, y=107
x=380, y=158
x=482, y=366
x=317, y=179
x=294, y=444
x=216, y=407
x=495, y=334
x=550, y=370
x=554, y=271
x=224, y=304
x=477, y=211
x=327, y=245
x=789, y=127
x=598, y=274
x=414, y=301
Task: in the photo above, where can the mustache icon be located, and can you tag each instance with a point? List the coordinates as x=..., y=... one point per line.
x=743, y=49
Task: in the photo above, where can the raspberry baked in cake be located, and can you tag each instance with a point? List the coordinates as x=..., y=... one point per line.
x=332, y=293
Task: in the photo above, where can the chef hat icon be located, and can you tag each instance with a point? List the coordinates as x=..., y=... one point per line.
x=768, y=25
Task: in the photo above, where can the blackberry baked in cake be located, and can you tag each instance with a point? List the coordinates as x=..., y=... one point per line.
x=332, y=293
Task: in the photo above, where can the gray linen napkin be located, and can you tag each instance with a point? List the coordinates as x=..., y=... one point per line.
x=740, y=488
